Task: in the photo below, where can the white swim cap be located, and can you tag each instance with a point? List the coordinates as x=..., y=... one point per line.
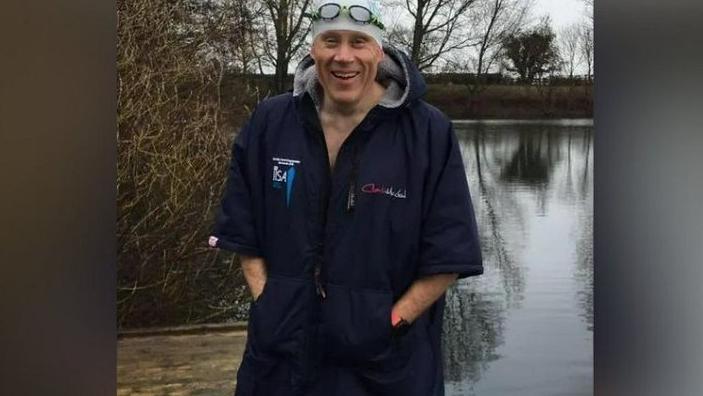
x=345, y=17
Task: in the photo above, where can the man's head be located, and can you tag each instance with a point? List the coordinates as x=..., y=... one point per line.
x=347, y=48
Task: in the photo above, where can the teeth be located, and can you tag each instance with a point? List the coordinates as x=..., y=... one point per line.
x=345, y=75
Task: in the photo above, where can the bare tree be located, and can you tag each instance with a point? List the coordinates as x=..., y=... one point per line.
x=497, y=19
x=438, y=27
x=589, y=9
x=586, y=48
x=569, y=46
x=173, y=151
x=284, y=30
x=226, y=27
x=243, y=40
x=532, y=53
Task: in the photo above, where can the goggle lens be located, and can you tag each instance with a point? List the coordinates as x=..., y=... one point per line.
x=329, y=11
x=360, y=14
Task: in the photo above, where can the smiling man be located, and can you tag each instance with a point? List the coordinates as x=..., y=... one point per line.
x=348, y=204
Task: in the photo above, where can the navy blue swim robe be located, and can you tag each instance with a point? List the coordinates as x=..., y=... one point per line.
x=395, y=207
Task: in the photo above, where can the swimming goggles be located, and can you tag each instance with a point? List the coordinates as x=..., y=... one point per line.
x=357, y=13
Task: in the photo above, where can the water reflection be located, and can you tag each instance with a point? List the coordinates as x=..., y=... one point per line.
x=531, y=162
x=473, y=328
x=532, y=189
x=584, y=233
x=499, y=215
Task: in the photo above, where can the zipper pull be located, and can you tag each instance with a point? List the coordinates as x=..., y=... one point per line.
x=351, y=197
x=318, y=285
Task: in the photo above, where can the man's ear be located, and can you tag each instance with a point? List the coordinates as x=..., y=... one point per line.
x=381, y=53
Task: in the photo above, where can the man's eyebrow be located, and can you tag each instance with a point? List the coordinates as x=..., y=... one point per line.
x=360, y=36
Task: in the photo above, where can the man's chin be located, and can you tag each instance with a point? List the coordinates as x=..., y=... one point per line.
x=344, y=98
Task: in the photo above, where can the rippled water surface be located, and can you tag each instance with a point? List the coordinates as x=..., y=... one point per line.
x=525, y=327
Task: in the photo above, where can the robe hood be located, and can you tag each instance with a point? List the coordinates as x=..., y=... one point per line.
x=402, y=79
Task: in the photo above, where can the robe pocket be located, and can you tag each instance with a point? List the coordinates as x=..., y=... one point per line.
x=408, y=369
x=277, y=318
x=356, y=324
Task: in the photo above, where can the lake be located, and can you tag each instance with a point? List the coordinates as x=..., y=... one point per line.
x=525, y=327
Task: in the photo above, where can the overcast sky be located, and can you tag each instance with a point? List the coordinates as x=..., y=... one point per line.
x=562, y=12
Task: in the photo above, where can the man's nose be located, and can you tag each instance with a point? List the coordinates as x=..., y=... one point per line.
x=343, y=54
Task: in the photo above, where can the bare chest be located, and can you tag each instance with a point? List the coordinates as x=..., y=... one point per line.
x=335, y=135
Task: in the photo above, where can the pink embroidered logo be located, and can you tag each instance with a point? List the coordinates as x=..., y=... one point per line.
x=372, y=188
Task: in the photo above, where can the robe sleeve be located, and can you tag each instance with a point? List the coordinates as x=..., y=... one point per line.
x=235, y=225
x=449, y=236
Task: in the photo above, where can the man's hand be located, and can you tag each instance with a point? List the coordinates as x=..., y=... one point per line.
x=254, y=270
x=421, y=295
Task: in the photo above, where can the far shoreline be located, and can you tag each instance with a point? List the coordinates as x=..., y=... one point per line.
x=523, y=121
x=512, y=102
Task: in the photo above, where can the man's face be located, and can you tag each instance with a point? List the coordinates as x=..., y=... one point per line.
x=346, y=63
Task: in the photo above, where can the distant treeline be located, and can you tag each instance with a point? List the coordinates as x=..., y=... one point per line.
x=514, y=101
x=266, y=82
x=466, y=96
x=501, y=79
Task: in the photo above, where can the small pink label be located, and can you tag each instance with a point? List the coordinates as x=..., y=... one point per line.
x=212, y=241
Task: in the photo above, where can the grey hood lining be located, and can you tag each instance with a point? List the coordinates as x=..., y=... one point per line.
x=392, y=73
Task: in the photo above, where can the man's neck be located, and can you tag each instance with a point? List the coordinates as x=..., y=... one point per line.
x=356, y=110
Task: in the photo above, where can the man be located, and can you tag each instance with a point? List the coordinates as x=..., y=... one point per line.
x=348, y=203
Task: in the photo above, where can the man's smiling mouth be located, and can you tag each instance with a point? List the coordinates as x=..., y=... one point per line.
x=345, y=75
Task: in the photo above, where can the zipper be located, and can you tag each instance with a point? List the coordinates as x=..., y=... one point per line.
x=314, y=122
x=324, y=205
x=351, y=194
x=351, y=197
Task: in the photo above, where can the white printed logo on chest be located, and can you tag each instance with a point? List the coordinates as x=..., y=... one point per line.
x=284, y=170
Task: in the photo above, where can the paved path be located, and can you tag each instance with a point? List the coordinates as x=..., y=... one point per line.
x=186, y=364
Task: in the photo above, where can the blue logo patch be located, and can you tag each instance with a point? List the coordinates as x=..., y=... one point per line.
x=284, y=176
